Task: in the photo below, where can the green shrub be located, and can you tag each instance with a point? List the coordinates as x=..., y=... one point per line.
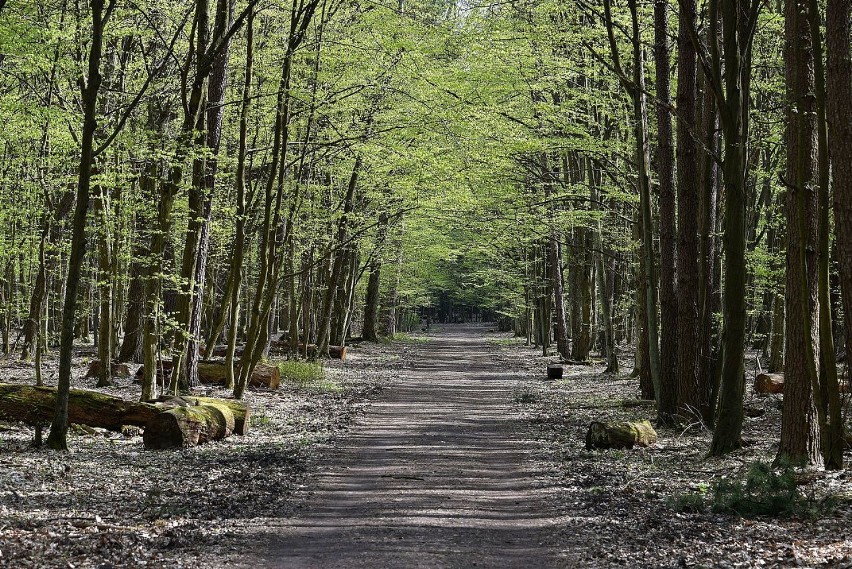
x=765, y=491
x=524, y=395
x=301, y=372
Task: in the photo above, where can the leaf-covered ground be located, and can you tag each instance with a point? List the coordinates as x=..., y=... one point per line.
x=109, y=503
x=652, y=507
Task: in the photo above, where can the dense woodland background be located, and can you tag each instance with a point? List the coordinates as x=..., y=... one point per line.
x=670, y=177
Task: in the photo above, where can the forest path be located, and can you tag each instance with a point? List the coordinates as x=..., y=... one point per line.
x=440, y=472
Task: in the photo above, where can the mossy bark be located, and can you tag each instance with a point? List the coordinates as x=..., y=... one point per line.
x=620, y=435
x=35, y=405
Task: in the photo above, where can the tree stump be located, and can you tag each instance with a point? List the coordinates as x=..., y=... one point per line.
x=620, y=435
x=766, y=383
x=554, y=371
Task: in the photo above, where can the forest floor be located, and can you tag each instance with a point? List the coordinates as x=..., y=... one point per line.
x=447, y=450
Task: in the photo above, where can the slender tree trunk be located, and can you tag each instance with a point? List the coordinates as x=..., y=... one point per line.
x=831, y=418
x=839, y=118
x=337, y=266
x=105, y=288
x=732, y=93
x=57, y=439
x=669, y=341
x=371, y=305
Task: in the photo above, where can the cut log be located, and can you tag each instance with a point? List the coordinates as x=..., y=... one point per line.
x=186, y=426
x=769, y=383
x=621, y=435
x=264, y=375
x=116, y=369
x=240, y=411
x=35, y=405
x=334, y=352
x=554, y=371
x=164, y=371
x=222, y=351
x=214, y=373
x=337, y=352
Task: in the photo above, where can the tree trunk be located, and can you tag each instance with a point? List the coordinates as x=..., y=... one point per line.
x=799, y=423
x=669, y=340
x=691, y=397
x=57, y=439
x=831, y=419
x=839, y=120
x=35, y=405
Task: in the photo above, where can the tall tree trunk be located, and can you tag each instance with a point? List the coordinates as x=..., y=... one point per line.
x=833, y=441
x=105, y=287
x=337, y=273
x=839, y=118
x=732, y=94
x=57, y=439
x=371, y=304
x=800, y=432
x=554, y=257
x=207, y=170
x=691, y=398
x=668, y=255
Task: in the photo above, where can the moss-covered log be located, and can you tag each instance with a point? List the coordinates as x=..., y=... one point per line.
x=240, y=411
x=35, y=405
x=186, y=426
x=769, y=383
x=620, y=435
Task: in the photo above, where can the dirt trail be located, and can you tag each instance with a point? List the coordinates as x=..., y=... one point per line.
x=439, y=473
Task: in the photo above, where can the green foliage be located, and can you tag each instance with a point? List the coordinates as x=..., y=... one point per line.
x=762, y=491
x=307, y=375
x=525, y=395
x=301, y=372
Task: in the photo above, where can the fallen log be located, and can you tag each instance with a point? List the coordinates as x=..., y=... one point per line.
x=190, y=425
x=620, y=435
x=221, y=351
x=36, y=405
x=337, y=352
x=312, y=350
x=116, y=369
x=240, y=411
x=769, y=383
x=214, y=373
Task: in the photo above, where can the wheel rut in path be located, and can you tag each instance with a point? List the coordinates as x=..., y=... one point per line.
x=439, y=473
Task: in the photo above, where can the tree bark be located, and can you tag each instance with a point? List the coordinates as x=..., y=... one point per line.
x=57, y=439
x=691, y=398
x=669, y=341
x=839, y=119
x=800, y=442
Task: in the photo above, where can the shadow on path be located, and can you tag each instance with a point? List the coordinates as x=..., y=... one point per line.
x=438, y=474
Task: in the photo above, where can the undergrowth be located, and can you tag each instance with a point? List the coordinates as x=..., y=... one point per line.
x=307, y=375
x=405, y=338
x=762, y=491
